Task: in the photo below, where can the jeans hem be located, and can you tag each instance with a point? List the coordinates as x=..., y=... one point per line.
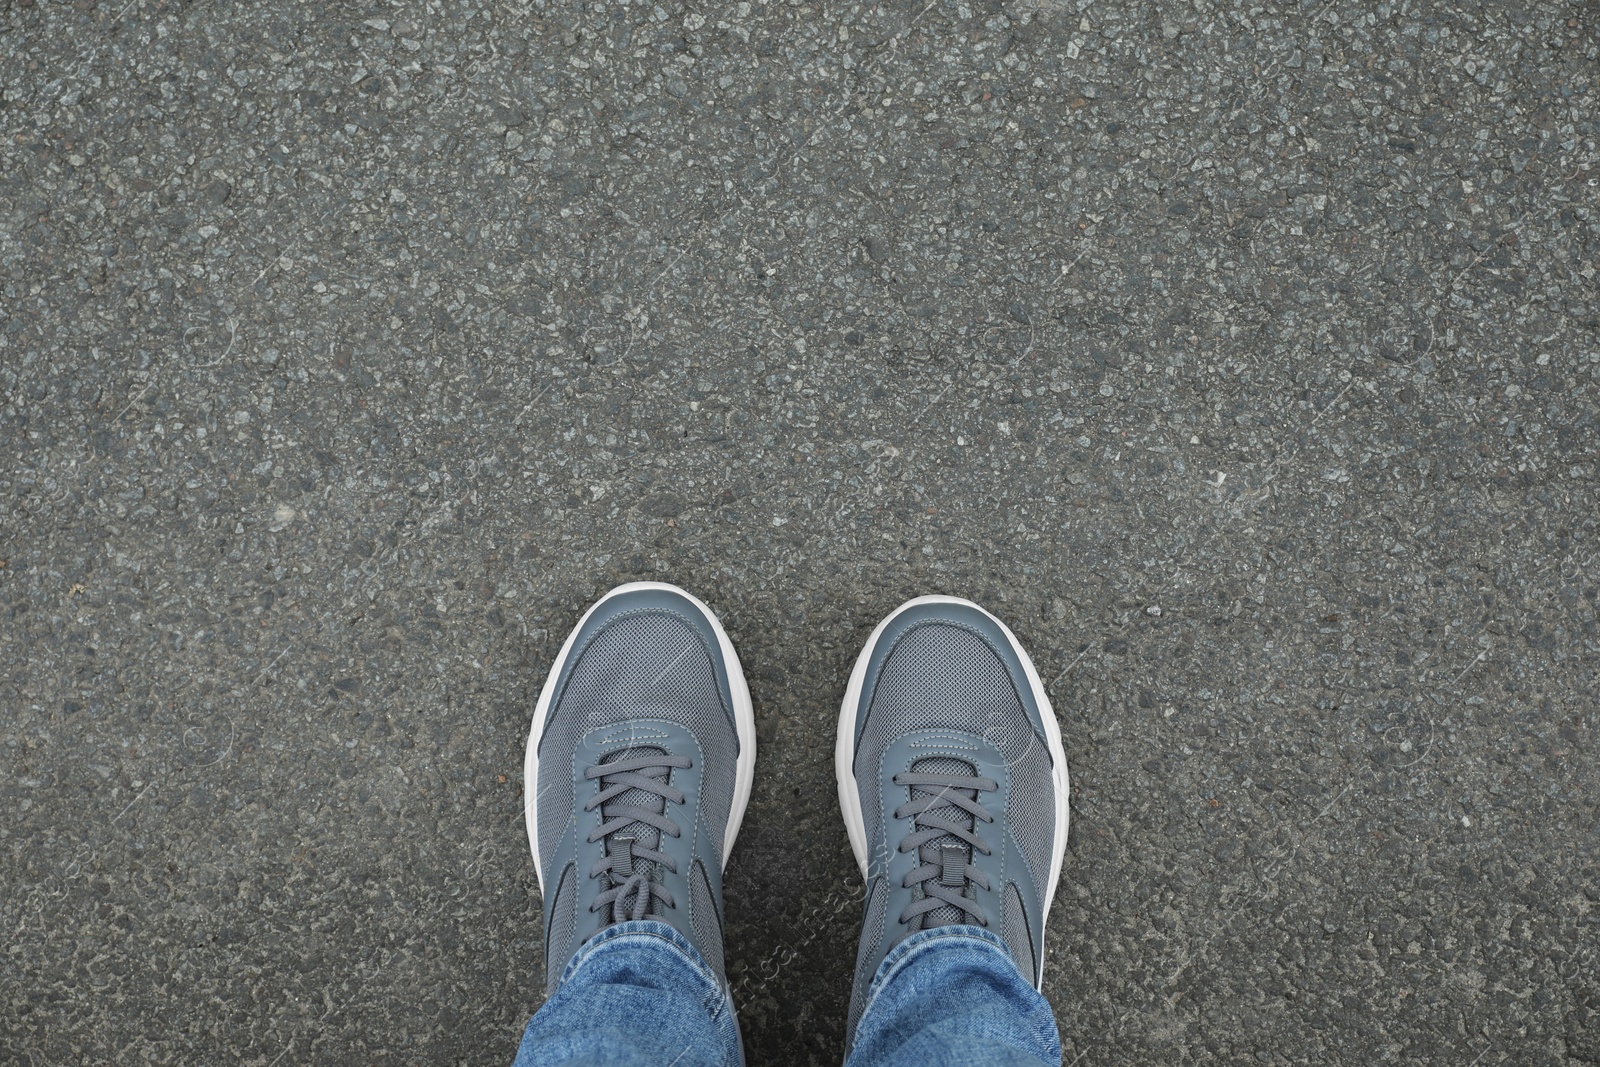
x=640, y=928
x=902, y=954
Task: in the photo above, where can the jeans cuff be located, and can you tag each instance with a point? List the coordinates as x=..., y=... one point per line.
x=902, y=954
x=633, y=932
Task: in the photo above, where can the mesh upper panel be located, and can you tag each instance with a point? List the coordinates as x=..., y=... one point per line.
x=707, y=924
x=942, y=675
x=1014, y=931
x=563, y=927
x=1030, y=809
x=871, y=938
x=644, y=665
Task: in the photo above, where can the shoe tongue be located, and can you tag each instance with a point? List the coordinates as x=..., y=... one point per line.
x=945, y=850
x=645, y=835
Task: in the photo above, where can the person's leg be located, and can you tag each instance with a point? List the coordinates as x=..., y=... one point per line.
x=952, y=997
x=954, y=787
x=638, y=770
x=635, y=995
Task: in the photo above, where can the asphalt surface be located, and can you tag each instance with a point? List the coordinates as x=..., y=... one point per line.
x=1245, y=359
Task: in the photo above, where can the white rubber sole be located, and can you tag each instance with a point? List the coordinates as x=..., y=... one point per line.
x=744, y=721
x=844, y=752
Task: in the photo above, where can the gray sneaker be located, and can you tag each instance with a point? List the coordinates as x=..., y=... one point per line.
x=953, y=783
x=638, y=771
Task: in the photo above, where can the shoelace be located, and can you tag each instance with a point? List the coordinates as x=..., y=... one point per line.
x=647, y=773
x=935, y=807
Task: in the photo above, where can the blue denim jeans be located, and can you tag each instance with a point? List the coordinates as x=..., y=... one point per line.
x=639, y=994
